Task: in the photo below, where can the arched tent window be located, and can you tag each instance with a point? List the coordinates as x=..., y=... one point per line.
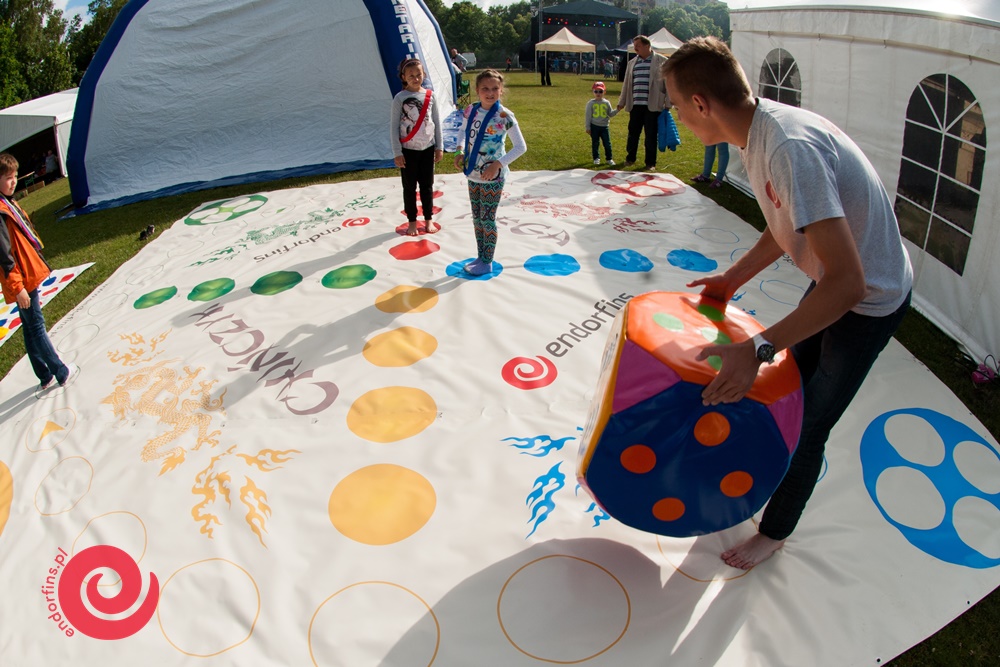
x=779, y=79
x=941, y=170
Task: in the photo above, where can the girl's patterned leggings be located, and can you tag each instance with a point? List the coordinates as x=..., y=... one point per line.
x=484, y=198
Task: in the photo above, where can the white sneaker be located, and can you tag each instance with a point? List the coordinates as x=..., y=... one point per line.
x=597, y=162
x=74, y=372
x=611, y=162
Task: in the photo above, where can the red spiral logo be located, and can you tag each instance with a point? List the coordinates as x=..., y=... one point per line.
x=81, y=618
x=529, y=372
x=356, y=222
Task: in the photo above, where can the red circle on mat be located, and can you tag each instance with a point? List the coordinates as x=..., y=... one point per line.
x=414, y=249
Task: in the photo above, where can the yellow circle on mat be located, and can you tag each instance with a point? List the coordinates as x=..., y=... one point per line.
x=6, y=494
x=407, y=299
x=391, y=413
x=381, y=504
x=400, y=347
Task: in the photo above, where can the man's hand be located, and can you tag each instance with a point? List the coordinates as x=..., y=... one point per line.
x=716, y=286
x=23, y=300
x=587, y=131
x=739, y=370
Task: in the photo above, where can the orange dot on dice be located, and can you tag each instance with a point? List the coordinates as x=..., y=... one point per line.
x=736, y=484
x=712, y=429
x=668, y=509
x=638, y=459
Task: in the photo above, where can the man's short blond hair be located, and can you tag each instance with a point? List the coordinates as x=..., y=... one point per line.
x=705, y=66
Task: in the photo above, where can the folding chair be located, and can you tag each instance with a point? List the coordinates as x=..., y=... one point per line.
x=463, y=94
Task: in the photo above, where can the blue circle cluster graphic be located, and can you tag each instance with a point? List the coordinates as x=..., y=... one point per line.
x=626, y=260
x=691, y=260
x=943, y=541
x=552, y=265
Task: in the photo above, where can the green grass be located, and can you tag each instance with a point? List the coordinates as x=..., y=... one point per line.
x=551, y=119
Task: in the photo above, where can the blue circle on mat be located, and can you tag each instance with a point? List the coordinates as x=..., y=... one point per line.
x=943, y=541
x=48, y=281
x=691, y=260
x=625, y=259
x=457, y=270
x=552, y=265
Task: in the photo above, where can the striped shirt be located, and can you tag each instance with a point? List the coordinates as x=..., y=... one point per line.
x=640, y=80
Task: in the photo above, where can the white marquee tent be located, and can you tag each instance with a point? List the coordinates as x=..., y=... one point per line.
x=662, y=42
x=185, y=95
x=565, y=41
x=53, y=112
x=916, y=88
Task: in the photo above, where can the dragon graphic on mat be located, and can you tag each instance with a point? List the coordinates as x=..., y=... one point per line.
x=167, y=395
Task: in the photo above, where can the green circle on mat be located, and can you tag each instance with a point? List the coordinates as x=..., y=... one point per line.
x=711, y=312
x=669, y=322
x=155, y=298
x=212, y=289
x=715, y=336
x=275, y=283
x=347, y=277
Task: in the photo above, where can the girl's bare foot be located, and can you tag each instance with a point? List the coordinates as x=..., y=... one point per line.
x=754, y=551
x=412, y=229
x=432, y=227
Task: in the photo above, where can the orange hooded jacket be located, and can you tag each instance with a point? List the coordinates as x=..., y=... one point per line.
x=21, y=266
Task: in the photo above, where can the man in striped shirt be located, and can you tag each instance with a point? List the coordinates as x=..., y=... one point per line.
x=645, y=96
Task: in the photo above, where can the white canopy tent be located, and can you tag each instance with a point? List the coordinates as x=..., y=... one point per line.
x=52, y=112
x=565, y=41
x=916, y=89
x=662, y=42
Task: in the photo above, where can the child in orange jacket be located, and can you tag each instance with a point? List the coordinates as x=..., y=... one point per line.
x=22, y=270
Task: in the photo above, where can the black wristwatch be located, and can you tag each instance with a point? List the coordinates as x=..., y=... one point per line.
x=765, y=351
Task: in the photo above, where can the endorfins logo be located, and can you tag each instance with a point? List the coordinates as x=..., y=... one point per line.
x=537, y=372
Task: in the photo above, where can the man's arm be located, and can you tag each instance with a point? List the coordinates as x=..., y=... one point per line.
x=839, y=289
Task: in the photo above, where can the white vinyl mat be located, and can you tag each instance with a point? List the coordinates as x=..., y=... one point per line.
x=299, y=437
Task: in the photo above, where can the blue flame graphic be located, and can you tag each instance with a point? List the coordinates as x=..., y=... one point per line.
x=539, y=445
x=540, y=499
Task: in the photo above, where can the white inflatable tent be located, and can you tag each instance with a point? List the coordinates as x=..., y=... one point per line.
x=916, y=88
x=53, y=112
x=184, y=95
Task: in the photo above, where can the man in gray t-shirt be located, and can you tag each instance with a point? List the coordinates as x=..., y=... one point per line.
x=827, y=209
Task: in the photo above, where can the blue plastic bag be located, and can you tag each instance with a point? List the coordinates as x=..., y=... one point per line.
x=666, y=134
x=451, y=130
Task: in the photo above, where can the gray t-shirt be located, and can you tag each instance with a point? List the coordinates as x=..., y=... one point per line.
x=804, y=169
x=403, y=116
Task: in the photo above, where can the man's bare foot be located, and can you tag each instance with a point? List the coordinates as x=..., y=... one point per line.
x=432, y=227
x=412, y=229
x=754, y=551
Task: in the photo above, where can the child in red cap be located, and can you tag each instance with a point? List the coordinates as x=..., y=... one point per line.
x=596, y=117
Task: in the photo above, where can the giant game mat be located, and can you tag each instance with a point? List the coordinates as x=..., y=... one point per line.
x=299, y=437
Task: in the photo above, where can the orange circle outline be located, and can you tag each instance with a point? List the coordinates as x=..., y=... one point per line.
x=253, y=625
x=85, y=493
x=659, y=547
x=437, y=625
x=46, y=416
x=628, y=602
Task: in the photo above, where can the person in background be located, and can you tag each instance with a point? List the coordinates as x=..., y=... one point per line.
x=415, y=137
x=23, y=270
x=596, y=117
x=706, y=173
x=827, y=209
x=543, y=68
x=644, y=96
x=482, y=155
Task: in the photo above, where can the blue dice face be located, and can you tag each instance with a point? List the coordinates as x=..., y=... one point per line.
x=672, y=466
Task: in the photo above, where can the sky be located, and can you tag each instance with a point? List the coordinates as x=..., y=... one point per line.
x=71, y=8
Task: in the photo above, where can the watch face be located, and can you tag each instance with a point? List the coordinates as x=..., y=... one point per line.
x=765, y=352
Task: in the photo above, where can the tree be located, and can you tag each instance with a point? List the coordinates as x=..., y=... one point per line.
x=13, y=89
x=83, y=40
x=38, y=47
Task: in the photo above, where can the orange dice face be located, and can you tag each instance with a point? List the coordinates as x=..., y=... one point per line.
x=652, y=455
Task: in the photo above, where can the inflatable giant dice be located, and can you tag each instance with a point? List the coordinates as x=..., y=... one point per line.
x=652, y=455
